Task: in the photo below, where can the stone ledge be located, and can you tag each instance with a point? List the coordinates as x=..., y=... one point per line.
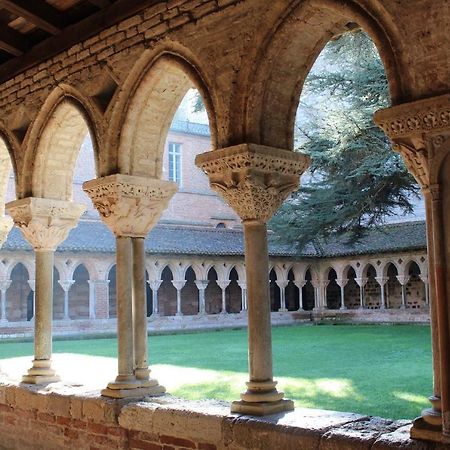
x=202, y=424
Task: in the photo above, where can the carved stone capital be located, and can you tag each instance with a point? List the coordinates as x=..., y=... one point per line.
x=129, y=205
x=66, y=284
x=45, y=223
x=253, y=179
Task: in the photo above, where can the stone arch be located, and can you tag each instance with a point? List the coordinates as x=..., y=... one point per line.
x=19, y=299
x=351, y=290
x=415, y=287
x=308, y=290
x=233, y=292
x=292, y=291
x=112, y=292
x=79, y=293
x=53, y=143
x=213, y=293
x=333, y=291
x=372, y=289
x=274, y=290
x=189, y=293
x=291, y=48
x=6, y=169
x=142, y=116
x=393, y=287
x=167, y=294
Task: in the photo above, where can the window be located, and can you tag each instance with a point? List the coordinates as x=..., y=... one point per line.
x=175, y=162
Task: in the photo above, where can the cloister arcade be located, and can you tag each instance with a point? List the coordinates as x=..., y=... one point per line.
x=122, y=83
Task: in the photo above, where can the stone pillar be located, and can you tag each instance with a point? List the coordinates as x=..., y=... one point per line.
x=32, y=284
x=66, y=285
x=45, y=224
x=223, y=284
x=4, y=285
x=154, y=286
x=317, y=300
x=282, y=285
x=403, y=280
x=254, y=180
x=243, y=286
x=361, y=282
x=300, y=285
x=179, y=284
x=342, y=283
x=426, y=288
x=420, y=132
x=130, y=206
x=201, y=286
x=382, y=282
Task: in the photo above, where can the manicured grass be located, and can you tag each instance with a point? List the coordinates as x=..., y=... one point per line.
x=377, y=370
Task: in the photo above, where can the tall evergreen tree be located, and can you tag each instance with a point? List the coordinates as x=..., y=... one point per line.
x=355, y=179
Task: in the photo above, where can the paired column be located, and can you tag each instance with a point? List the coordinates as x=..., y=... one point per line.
x=382, y=282
x=282, y=285
x=154, y=286
x=45, y=224
x=201, y=286
x=130, y=206
x=4, y=285
x=420, y=132
x=342, y=283
x=179, y=284
x=361, y=282
x=223, y=284
x=403, y=280
x=254, y=180
x=243, y=286
x=66, y=285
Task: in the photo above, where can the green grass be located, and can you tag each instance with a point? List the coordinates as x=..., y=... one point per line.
x=377, y=370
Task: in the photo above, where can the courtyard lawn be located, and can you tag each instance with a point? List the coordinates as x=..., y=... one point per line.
x=378, y=370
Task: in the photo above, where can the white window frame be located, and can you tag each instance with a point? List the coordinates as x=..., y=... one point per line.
x=174, y=154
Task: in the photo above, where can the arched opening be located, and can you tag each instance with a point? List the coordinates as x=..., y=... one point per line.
x=333, y=291
x=415, y=288
x=112, y=293
x=275, y=294
x=308, y=292
x=292, y=293
x=58, y=296
x=167, y=294
x=7, y=179
x=79, y=294
x=372, y=289
x=19, y=300
x=233, y=293
x=213, y=293
x=393, y=288
x=351, y=291
x=189, y=294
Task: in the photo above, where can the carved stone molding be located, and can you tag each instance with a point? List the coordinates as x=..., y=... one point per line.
x=45, y=223
x=253, y=179
x=130, y=205
x=417, y=162
x=415, y=118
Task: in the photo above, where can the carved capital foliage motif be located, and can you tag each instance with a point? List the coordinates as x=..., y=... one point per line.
x=45, y=223
x=253, y=179
x=129, y=205
x=418, y=130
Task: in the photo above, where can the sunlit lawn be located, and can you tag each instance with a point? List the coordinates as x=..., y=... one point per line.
x=377, y=370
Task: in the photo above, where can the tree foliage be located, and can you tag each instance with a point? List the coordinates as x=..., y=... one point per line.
x=355, y=179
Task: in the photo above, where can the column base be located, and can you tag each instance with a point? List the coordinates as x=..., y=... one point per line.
x=343, y=308
x=423, y=430
x=282, y=310
x=133, y=389
x=262, y=408
x=40, y=373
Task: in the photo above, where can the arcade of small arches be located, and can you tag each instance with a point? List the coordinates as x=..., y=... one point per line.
x=87, y=289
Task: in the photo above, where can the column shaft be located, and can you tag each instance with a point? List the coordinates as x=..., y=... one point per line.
x=3, y=306
x=139, y=309
x=342, y=297
x=124, y=284
x=66, y=303
x=155, y=305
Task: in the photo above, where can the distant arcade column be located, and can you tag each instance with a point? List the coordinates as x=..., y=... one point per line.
x=254, y=180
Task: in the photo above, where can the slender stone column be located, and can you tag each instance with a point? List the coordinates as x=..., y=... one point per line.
x=179, y=284
x=382, y=282
x=254, y=180
x=4, y=285
x=361, y=282
x=426, y=289
x=403, y=280
x=282, y=285
x=317, y=298
x=243, y=286
x=45, y=224
x=420, y=132
x=300, y=285
x=342, y=283
x=201, y=286
x=130, y=206
x=66, y=285
x=154, y=286
x=223, y=284
x=32, y=284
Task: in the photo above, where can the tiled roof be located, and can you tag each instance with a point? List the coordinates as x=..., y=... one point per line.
x=93, y=236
